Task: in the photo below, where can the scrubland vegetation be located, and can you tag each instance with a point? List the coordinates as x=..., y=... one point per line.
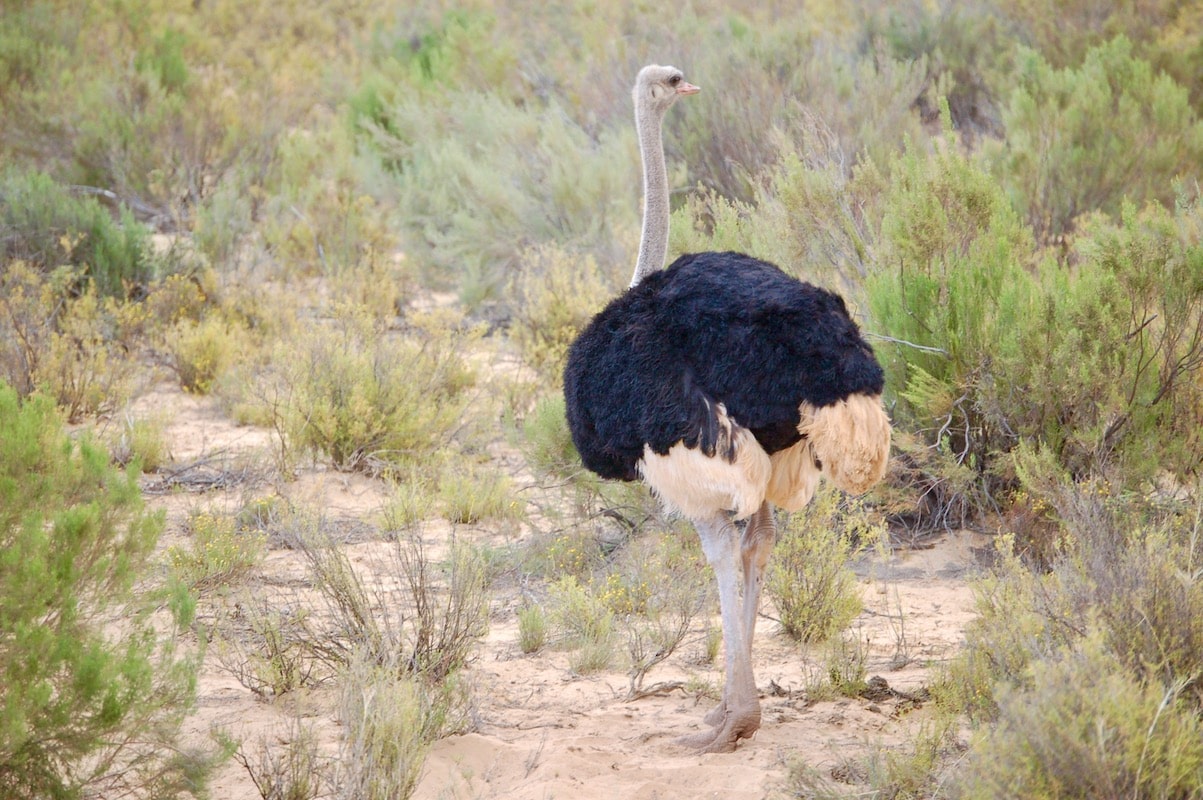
x=269, y=204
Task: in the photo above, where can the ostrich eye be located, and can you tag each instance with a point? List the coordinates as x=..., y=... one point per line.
x=674, y=80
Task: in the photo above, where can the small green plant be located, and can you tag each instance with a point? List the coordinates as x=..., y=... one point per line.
x=845, y=664
x=711, y=644
x=659, y=588
x=391, y=720
x=477, y=494
x=592, y=655
x=411, y=500
x=573, y=553
x=809, y=582
x=532, y=628
x=201, y=352
x=262, y=514
x=586, y=624
x=918, y=767
x=449, y=615
x=141, y=441
x=220, y=552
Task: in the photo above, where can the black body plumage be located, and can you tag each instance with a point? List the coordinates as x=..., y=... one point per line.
x=711, y=328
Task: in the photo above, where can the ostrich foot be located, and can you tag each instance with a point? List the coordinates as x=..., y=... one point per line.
x=729, y=729
x=714, y=717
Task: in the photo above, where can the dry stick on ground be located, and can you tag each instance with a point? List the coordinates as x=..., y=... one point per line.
x=205, y=474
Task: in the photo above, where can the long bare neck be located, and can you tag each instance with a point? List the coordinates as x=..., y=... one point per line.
x=653, y=243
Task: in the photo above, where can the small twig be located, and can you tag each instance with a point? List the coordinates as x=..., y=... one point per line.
x=655, y=690
x=201, y=475
x=923, y=347
x=532, y=761
x=113, y=197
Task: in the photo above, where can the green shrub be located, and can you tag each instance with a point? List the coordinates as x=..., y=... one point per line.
x=220, y=552
x=1098, y=360
x=60, y=336
x=369, y=399
x=659, y=587
x=1164, y=32
x=1085, y=727
x=463, y=48
x=48, y=227
x=808, y=580
x=391, y=720
x=965, y=47
x=532, y=628
x=477, y=494
x=577, y=554
x=93, y=688
x=200, y=352
x=953, y=296
x=159, y=137
x=263, y=647
x=952, y=288
x=291, y=769
x=1059, y=163
x=845, y=666
x=413, y=498
x=585, y=623
x=1116, y=353
x=326, y=214
x=140, y=441
x=554, y=294
x=1122, y=572
x=223, y=223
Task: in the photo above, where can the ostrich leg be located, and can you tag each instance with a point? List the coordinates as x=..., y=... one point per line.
x=738, y=717
x=757, y=543
x=759, y=537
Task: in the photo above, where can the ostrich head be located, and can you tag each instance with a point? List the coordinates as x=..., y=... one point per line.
x=657, y=88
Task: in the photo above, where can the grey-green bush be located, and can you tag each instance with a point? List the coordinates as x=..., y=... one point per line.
x=1058, y=162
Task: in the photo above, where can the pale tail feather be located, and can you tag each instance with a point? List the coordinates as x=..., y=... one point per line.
x=795, y=477
x=851, y=439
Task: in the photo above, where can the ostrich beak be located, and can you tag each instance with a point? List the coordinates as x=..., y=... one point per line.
x=687, y=88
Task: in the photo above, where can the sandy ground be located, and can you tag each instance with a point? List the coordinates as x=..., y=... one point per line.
x=542, y=731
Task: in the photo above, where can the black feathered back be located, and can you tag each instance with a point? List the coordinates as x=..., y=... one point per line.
x=711, y=328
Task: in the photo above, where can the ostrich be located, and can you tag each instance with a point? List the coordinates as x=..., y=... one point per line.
x=729, y=387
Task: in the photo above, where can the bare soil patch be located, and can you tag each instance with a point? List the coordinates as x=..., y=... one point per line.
x=542, y=731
